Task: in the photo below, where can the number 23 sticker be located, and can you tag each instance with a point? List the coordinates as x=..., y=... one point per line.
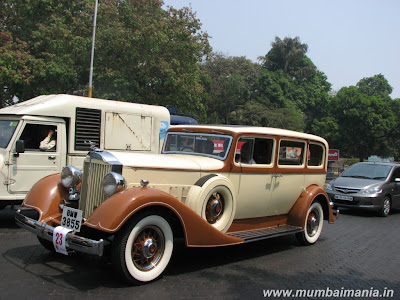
x=59, y=239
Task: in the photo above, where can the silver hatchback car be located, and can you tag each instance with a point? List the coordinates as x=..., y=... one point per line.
x=365, y=185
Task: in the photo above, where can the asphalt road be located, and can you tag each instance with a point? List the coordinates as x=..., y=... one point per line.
x=360, y=252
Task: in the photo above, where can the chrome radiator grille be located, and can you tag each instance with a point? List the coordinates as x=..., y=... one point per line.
x=92, y=190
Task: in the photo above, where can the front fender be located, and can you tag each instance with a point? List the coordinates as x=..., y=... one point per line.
x=298, y=212
x=45, y=197
x=112, y=214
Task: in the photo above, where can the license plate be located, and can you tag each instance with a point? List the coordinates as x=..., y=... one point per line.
x=71, y=218
x=340, y=197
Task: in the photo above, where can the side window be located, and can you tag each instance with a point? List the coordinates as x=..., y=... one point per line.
x=396, y=174
x=315, y=155
x=254, y=151
x=291, y=153
x=38, y=137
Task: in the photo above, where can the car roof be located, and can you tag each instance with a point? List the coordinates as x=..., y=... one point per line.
x=251, y=130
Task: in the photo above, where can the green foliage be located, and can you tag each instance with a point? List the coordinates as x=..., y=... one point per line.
x=364, y=123
x=375, y=86
x=143, y=53
x=230, y=84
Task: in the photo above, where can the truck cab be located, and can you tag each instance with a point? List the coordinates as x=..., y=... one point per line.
x=79, y=124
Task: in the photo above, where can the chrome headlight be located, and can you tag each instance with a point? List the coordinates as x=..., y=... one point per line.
x=70, y=176
x=113, y=183
x=372, y=190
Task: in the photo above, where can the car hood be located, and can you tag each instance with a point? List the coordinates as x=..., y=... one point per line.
x=169, y=161
x=355, y=182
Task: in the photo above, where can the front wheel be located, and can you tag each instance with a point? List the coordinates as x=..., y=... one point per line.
x=384, y=211
x=142, y=250
x=312, y=225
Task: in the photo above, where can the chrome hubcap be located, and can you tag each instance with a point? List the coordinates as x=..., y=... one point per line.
x=214, y=208
x=149, y=248
x=312, y=222
x=386, y=206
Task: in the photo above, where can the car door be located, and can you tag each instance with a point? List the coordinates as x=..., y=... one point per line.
x=288, y=182
x=255, y=158
x=396, y=188
x=28, y=167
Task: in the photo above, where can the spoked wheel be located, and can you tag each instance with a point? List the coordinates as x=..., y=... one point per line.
x=313, y=225
x=385, y=209
x=142, y=251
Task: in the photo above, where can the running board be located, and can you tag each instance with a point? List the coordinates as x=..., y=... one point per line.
x=267, y=233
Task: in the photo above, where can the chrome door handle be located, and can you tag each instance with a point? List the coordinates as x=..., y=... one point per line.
x=277, y=175
x=52, y=157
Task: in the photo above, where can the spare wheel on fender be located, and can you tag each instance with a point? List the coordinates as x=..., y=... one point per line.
x=213, y=198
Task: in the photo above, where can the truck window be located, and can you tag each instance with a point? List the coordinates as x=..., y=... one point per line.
x=7, y=129
x=37, y=135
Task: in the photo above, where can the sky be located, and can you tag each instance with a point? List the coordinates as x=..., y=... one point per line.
x=347, y=40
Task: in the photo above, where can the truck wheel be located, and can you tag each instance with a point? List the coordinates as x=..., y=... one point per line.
x=142, y=251
x=312, y=225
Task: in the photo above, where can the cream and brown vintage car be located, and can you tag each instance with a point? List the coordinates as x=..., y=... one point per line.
x=211, y=185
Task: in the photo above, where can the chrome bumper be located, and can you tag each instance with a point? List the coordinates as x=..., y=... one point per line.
x=45, y=231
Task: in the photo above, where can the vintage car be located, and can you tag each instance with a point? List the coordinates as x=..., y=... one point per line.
x=211, y=185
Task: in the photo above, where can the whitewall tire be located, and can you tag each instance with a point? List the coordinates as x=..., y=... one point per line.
x=142, y=251
x=312, y=225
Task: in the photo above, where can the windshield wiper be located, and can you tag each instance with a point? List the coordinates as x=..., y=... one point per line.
x=357, y=176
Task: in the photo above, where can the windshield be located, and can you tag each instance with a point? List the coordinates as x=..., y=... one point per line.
x=368, y=171
x=198, y=143
x=7, y=128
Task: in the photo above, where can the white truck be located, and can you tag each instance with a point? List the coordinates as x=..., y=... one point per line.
x=79, y=124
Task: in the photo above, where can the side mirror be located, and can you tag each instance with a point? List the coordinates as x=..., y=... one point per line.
x=19, y=147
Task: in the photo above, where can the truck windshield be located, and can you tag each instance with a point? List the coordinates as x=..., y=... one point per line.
x=198, y=143
x=7, y=129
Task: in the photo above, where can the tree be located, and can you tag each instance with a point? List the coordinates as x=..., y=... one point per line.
x=231, y=81
x=289, y=55
x=375, y=86
x=363, y=123
x=143, y=53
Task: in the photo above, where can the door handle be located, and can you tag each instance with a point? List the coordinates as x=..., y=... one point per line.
x=52, y=157
x=277, y=175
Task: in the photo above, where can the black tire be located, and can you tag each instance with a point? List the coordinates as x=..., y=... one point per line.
x=47, y=244
x=312, y=225
x=384, y=211
x=142, y=250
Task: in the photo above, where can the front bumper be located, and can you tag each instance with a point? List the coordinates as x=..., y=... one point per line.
x=372, y=203
x=74, y=242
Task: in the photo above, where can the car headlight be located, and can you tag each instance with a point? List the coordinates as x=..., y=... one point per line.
x=328, y=187
x=70, y=176
x=373, y=190
x=113, y=183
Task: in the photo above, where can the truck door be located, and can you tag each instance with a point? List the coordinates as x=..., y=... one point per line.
x=39, y=158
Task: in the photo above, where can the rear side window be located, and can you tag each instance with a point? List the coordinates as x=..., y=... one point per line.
x=291, y=153
x=315, y=155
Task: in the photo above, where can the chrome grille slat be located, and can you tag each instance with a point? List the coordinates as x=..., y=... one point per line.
x=92, y=193
x=346, y=190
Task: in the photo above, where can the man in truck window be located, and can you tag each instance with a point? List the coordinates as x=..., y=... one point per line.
x=49, y=142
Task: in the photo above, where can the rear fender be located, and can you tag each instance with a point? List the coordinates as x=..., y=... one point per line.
x=298, y=212
x=112, y=214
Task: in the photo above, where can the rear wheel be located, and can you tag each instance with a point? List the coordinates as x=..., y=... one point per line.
x=142, y=250
x=384, y=211
x=312, y=225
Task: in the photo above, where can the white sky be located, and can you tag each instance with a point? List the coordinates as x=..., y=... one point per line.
x=347, y=39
